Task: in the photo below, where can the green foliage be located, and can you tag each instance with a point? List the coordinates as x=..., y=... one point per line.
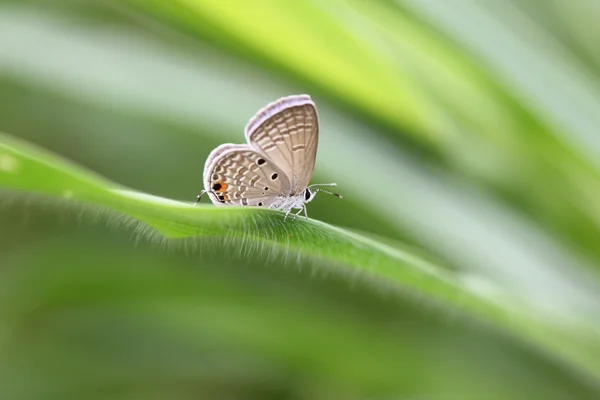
x=438, y=124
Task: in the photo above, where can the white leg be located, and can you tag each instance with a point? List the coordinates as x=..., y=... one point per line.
x=305, y=212
x=296, y=214
x=199, y=196
x=286, y=214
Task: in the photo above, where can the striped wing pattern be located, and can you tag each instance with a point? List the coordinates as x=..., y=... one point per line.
x=287, y=132
x=237, y=174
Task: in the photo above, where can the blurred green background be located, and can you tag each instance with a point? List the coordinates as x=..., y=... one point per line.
x=461, y=132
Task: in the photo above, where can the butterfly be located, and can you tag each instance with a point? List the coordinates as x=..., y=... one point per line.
x=274, y=167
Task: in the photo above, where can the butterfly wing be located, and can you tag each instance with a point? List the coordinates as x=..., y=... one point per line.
x=287, y=132
x=239, y=175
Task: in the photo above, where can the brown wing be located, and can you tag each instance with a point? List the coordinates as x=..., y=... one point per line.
x=239, y=175
x=287, y=132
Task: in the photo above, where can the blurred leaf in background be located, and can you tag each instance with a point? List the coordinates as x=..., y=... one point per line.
x=463, y=262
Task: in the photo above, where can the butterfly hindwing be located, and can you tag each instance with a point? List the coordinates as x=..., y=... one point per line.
x=237, y=174
x=287, y=132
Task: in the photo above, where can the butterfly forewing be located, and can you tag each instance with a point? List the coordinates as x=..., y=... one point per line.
x=238, y=174
x=287, y=132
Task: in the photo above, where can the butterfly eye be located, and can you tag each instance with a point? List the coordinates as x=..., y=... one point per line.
x=307, y=195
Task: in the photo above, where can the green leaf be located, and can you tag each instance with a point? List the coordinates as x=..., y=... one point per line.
x=460, y=100
x=256, y=231
x=463, y=129
x=116, y=122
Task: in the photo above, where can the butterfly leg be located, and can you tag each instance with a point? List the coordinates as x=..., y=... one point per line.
x=299, y=211
x=305, y=212
x=294, y=214
x=286, y=214
x=200, y=196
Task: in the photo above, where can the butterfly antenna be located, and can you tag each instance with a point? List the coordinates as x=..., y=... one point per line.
x=200, y=196
x=323, y=184
x=331, y=193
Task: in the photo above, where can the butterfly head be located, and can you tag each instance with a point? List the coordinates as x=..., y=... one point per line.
x=309, y=195
x=311, y=191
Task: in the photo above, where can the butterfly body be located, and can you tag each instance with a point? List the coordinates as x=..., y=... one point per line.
x=292, y=201
x=275, y=166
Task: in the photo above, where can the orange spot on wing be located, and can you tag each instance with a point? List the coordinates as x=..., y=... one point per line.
x=224, y=186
